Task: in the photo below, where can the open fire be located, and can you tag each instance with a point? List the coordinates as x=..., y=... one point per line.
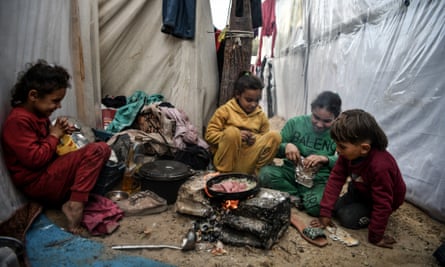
x=230, y=204
x=257, y=219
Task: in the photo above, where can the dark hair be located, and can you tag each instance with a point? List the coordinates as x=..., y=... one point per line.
x=355, y=126
x=329, y=100
x=247, y=80
x=40, y=76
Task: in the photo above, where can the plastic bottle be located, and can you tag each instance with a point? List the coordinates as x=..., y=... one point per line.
x=129, y=183
x=139, y=155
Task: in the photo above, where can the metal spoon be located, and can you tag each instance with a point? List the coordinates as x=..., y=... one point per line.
x=188, y=243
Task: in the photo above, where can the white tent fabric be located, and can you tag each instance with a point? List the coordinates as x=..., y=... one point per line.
x=381, y=56
x=135, y=55
x=112, y=47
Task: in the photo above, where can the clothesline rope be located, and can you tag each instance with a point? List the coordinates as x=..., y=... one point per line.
x=238, y=33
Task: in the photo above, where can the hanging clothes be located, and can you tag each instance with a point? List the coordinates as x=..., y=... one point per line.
x=257, y=16
x=178, y=18
x=255, y=11
x=269, y=27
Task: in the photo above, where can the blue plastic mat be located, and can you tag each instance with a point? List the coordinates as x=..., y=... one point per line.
x=48, y=245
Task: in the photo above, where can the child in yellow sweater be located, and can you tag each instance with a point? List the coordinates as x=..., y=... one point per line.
x=239, y=132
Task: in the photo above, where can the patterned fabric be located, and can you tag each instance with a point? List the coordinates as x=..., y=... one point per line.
x=313, y=233
x=17, y=225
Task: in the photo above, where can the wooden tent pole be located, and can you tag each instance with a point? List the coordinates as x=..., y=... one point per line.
x=238, y=48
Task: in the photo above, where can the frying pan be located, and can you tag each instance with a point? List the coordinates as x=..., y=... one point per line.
x=231, y=195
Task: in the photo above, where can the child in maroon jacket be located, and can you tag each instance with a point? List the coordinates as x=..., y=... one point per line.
x=30, y=141
x=376, y=189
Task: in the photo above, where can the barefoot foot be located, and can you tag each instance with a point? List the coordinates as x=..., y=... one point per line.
x=73, y=211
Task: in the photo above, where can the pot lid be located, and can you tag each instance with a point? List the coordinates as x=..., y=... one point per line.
x=164, y=170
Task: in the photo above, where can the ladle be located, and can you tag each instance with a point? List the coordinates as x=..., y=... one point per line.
x=188, y=243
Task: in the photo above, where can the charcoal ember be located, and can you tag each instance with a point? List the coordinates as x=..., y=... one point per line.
x=259, y=221
x=208, y=229
x=191, y=199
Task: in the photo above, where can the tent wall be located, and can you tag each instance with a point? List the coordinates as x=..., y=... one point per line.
x=136, y=55
x=380, y=56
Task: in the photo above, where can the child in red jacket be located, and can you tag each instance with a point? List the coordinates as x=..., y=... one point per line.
x=30, y=141
x=376, y=189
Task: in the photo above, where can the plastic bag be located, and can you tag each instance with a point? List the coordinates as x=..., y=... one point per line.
x=66, y=145
x=305, y=176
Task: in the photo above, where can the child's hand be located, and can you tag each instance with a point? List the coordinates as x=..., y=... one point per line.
x=61, y=127
x=314, y=160
x=321, y=222
x=292, y=153
x=71, y=129
x=247, y=137
x=251, y=140
x=386, y=242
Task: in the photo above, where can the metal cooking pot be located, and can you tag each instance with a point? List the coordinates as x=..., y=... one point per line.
x=251, y=191
x=164, y=177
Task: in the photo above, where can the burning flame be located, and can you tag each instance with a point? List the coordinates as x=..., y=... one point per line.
x=230, y=204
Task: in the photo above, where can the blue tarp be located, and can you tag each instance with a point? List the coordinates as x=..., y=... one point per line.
x=48, y=245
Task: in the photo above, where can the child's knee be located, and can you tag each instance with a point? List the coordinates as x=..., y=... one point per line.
x=274, y=137
x=264, y=176
x=102, y=148
x=311, y=203
x=231, y=133
x=262, y=179
x=354, y=216
x=106, y=149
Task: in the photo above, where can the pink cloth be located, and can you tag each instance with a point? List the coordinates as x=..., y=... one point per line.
x=101, y=215
x=186, y=132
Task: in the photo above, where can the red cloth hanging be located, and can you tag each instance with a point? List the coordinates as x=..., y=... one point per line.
x=269, y=27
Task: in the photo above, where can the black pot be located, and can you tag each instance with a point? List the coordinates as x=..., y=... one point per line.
x=164, y=177
x=232, y=195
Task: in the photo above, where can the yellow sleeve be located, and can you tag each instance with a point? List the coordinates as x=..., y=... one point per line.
x=216, y=126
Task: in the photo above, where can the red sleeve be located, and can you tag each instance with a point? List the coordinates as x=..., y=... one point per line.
x=336, y=180
x=29, y=142
x=382, y=199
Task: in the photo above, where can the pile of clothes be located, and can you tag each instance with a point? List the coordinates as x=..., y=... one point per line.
x=165, y=131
